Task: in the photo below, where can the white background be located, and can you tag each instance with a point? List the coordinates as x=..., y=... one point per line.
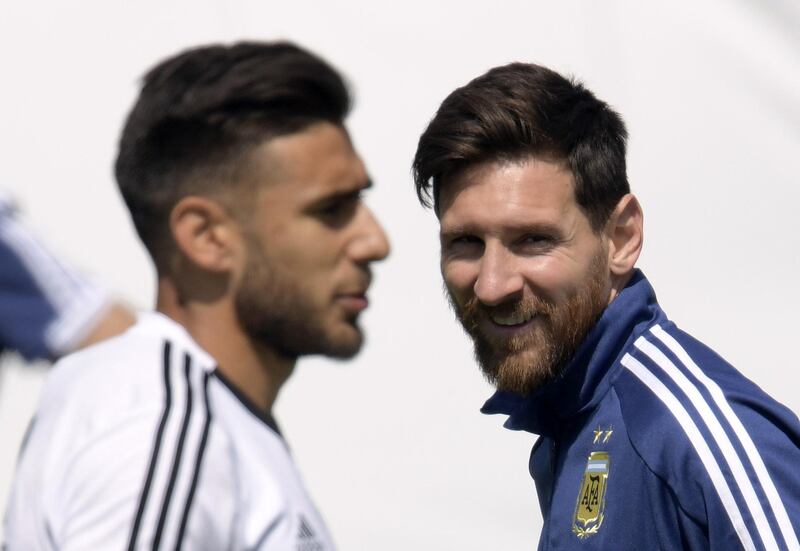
x=392, y=445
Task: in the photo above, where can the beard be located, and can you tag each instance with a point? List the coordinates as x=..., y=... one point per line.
x=524, y=363
x=275, y=309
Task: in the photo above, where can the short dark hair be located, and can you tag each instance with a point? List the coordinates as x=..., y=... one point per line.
x=521, y=110
x=199, y=113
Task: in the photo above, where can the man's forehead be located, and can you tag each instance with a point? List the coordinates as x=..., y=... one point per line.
x=511, y=186
x=317, y=160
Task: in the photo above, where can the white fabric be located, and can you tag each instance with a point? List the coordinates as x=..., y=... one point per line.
x=82, y=473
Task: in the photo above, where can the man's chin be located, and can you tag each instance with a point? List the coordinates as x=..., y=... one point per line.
x=519, y=373
x=344, y=342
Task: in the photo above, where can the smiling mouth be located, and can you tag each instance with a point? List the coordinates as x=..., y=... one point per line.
x=514, y=319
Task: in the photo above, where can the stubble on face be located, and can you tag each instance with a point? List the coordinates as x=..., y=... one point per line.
x=275, y=309
x=524, y=363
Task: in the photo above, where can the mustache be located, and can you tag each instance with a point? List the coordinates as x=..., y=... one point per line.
x=361, y=281
x=473, y=311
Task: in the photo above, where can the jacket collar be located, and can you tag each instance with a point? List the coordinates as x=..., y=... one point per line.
x=590, y=373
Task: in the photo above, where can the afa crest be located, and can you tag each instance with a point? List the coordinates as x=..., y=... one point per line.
x=591, y=505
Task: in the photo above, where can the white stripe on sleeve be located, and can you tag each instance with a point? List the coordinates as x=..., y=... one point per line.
x=788, y=533
x=699, y=444
x=77, y=302
x=720, y=437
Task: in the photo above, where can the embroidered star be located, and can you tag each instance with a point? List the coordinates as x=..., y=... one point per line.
x=597, y=434
x=608, y=435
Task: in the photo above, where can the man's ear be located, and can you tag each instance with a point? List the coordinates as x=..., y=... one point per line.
x=624, y=232
x=204, y=233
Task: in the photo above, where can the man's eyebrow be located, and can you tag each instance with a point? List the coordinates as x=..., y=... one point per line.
x=535, y=227
x=454, y=231
x=354, y=190
x=350, y=192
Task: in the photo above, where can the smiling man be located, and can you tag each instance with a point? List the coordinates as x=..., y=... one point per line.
x=245, y=188
x=649, y=440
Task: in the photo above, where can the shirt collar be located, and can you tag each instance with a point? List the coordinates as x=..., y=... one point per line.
x=591, y=371
x=158, y=323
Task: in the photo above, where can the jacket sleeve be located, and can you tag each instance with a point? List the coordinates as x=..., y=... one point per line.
x=45, y=307
x=727, y=450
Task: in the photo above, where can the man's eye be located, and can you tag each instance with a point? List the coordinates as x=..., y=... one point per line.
x=533, y=239
x=535, y=242
x=462, y=244
x=339, y=207
x=331, y=209
x=337, y=211
x=462, y=240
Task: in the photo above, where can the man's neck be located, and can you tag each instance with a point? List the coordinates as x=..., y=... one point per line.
x=618, y=283
x=255, y=369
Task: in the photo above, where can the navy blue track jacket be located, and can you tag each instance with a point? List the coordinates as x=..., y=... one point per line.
x=45, y=307
x=651, y=441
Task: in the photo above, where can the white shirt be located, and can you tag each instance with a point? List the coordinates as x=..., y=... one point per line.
x=140, y=443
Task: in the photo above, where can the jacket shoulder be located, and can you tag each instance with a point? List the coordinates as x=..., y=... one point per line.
x=720, y=443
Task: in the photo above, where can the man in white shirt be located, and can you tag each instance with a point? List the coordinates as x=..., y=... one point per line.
x=244, y=186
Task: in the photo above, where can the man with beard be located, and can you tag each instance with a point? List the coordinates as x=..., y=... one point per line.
x=244, y=186
x=649, y=440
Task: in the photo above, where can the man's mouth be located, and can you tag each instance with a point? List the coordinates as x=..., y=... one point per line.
x=513, y=319
x=354, y=302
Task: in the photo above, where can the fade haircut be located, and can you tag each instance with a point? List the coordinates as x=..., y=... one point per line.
x=519, y=111
x=202, y=111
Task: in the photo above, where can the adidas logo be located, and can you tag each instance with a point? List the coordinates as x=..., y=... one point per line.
x=306, y=539
x=305, y=531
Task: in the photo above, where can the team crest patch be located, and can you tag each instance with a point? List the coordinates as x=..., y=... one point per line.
x=590, y=509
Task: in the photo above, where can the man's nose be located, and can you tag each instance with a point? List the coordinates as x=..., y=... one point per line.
x=498, y=278
x=371, y=243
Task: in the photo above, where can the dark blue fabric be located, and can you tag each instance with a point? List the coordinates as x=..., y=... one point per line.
x=25, y=312
x=659, y=493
